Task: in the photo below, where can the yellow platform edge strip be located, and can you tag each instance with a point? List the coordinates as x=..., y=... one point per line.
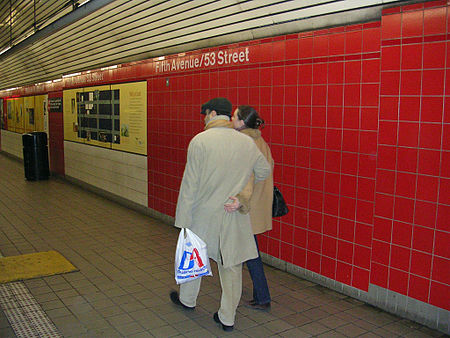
x=39, y=264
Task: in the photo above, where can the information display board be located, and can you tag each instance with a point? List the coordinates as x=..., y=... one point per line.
x=26, y=114
x=29, y=114
x=70, y=115
x=40, y=112
x=108, y=116
x=133, y=117
x=14, y=111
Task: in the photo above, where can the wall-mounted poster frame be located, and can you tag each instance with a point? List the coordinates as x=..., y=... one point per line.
x=41, y=113
x=19, y=115
x=29, y=120
x=14, y=111
x=70, y=115
x=133, y=117
x=110, y=116
x=34, y=113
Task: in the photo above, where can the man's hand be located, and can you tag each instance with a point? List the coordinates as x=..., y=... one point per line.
x=234, y=206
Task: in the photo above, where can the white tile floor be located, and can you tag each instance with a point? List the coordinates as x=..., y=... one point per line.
x=126, y=273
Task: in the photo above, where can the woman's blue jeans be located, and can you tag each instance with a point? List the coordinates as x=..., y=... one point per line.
x=261, y=294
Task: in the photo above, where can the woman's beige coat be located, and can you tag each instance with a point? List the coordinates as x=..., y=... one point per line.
x=219, y=164
x=258, y=198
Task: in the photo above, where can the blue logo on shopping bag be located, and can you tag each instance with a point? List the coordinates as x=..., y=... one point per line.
x=189, y=258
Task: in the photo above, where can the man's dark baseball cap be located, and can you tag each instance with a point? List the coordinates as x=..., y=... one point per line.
x=220, y=104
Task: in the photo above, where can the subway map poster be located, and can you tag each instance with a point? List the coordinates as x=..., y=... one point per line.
x=112, y=116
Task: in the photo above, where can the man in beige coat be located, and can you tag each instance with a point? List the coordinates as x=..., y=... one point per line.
x=219, y=164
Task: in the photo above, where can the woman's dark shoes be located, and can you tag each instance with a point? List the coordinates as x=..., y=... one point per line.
x=176, y=300
x=255, y=305
x=224, y=327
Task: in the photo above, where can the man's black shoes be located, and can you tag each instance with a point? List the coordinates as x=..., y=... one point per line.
x=176, y=300
x=224, y=327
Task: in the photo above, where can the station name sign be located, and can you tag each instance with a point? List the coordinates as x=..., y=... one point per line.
x=204, y=60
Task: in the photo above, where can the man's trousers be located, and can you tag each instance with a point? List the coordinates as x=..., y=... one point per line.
x=231, y=283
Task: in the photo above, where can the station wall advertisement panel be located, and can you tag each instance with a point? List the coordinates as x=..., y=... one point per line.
x=110, y=116
x=26, y=114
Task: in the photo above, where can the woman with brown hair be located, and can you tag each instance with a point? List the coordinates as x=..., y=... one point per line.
x=256, y=199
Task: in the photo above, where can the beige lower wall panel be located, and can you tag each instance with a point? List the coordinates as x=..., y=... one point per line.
x=122, y=174
x=12, y=143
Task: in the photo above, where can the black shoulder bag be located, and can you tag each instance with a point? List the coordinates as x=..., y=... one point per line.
x=279, y=207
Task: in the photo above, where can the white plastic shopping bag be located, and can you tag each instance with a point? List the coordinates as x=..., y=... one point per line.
x=191, y=257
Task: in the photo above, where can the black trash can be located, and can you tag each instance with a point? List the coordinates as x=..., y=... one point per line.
x=35, y=156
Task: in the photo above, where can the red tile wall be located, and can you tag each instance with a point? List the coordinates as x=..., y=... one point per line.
x=410, y=252
x=358, y=122
x=318, y=93
x=355, y=120
x=174, y=117
x=335, y=154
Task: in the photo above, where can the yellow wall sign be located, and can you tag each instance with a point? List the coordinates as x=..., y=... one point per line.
x=40, y=112
x=108, y=116
x=133, y=117
x=15, y=114
x=70, y=115
x=29, y=114
x=26, y=114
